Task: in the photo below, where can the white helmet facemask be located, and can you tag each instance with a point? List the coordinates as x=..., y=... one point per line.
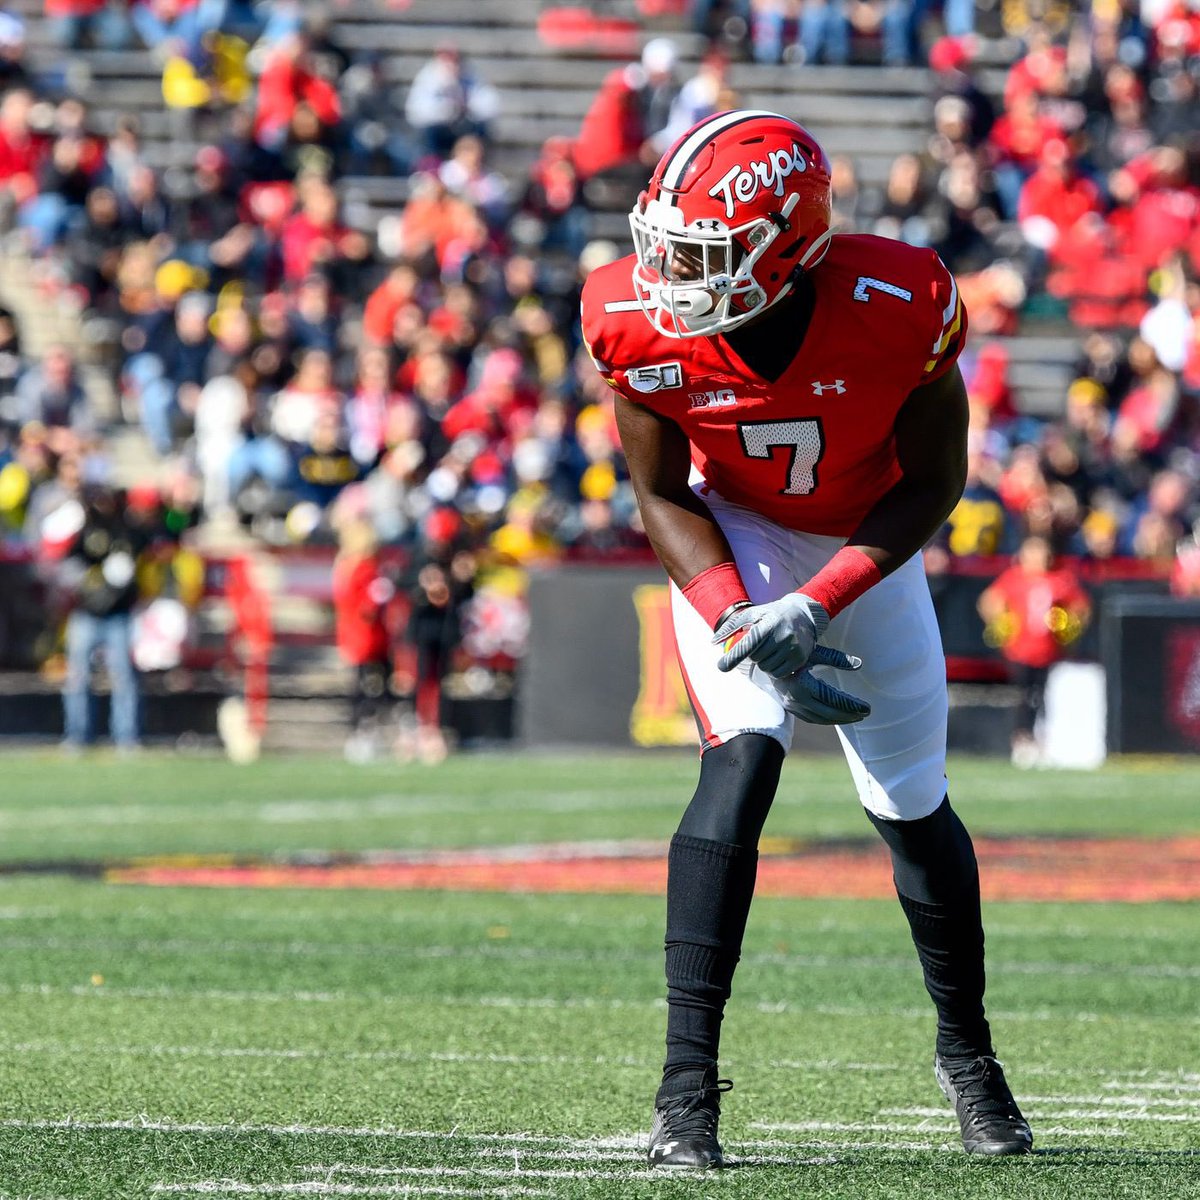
x=688, y=276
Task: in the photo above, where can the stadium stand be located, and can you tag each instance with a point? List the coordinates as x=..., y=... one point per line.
x=306, y=287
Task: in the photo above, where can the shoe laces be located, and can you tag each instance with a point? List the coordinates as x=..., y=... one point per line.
x=695, y=1112
x=980, y=1085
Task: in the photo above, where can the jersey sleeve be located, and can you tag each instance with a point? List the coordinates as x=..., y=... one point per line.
x=947, y=323
x=591, y=314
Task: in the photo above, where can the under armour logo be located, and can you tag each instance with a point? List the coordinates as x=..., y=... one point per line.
x=663, y=1148
x=838, y=385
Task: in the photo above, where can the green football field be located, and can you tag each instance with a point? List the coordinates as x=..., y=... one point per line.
x=164, y=1041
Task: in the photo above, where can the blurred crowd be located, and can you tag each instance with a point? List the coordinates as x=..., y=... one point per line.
x=303, y=366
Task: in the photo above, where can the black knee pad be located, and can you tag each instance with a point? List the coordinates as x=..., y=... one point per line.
x=737, y=785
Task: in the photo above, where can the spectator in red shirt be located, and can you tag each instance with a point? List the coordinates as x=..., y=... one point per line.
x=632, y=105
x=361, y=594
x=434, y=221
x=22, y=151
x=1147, y=413
x=289, y=80
x=988, y=385
x=1033, y=611
x=315, y=236
x=552, y=197
x=1163, y=206
x=499, y=408
x=1016, y=142
x=395, y=293
x=1055, y=197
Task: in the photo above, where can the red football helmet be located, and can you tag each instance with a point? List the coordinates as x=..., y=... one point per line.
x=735, y=210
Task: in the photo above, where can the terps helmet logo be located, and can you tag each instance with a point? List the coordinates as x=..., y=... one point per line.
x=743, y=183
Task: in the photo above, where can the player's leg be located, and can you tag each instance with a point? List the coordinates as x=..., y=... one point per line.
x=711, y=868
x=713, y=861
x=897, y=756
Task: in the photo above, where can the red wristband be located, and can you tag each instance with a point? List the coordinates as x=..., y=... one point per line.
x=714, y=591
x=842, y=580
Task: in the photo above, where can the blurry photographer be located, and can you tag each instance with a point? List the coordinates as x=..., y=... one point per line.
x=361, y=595
x=1033, y=612
x=100, y=570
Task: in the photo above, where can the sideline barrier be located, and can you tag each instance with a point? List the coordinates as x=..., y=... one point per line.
x=1151, y=649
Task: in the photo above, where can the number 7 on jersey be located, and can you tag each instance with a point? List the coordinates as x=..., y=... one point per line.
x=804, y=438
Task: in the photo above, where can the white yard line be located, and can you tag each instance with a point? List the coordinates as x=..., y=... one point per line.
x=1117, y=1101
x=773, y=1007
x=512, y=1172
x=149, y=1125
x=909, y=1127
x=298, y=1054
x=228, y=1187
x=1065, y=1114
x=1161, y=1085
x=939, y=1129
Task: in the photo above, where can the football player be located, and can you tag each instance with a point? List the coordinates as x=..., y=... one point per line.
x=795, y=427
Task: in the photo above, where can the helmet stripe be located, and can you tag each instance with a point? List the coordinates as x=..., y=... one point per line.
x=691, y=146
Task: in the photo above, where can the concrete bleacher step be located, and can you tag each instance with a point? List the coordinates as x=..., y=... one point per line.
x=513, y=42
x=851, y=82
x=476, y=14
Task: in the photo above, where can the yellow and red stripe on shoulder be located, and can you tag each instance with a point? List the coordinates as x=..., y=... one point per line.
x=951, y=334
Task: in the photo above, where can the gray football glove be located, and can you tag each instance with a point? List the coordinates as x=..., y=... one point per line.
x=779, y=636
x=812, y=699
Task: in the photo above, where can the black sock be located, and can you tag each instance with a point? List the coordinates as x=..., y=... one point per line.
x=937, y=881
x=709, y=888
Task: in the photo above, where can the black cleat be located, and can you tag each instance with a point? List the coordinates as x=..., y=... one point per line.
x=684, y=1133
x=988, y=1115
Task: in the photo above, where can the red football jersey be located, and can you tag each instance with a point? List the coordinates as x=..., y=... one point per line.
x=813, y=450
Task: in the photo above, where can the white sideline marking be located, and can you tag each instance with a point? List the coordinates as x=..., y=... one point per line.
x=1133, y=1085
x=1166, y=1082
x=147, y=1125
x=299, y=812
x=945, y=1127
x=317, y=1188
x=610, y=1156
x=537, y=954
x=15, y=913
x=629, y=1172
x=288, y=1053
x=1064, y=1114
x=939, y=1126
x=1116, y=1101
x=909, y=1127
x=774, y=1007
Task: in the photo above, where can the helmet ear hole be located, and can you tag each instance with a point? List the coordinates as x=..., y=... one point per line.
x=793, y=249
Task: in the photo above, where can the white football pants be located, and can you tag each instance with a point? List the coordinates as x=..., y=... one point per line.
x=897, y=755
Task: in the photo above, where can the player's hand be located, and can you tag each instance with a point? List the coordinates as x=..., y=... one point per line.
x=778, y=636
x=813, y=700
